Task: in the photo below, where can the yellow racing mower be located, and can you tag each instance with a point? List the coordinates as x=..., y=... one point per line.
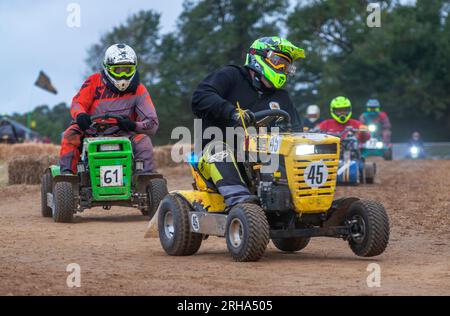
x=296, y=202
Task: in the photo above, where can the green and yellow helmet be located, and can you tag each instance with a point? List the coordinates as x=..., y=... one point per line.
x=273, y=58
x=341, y=109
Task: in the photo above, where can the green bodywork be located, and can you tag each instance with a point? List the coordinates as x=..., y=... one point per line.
x=97, y=159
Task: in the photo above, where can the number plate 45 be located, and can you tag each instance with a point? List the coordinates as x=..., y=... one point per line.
x=316, y=174
x=111, y=176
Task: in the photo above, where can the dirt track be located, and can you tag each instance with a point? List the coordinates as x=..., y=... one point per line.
x=116, y=259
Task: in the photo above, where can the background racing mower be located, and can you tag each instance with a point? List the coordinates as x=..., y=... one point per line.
x=353, y=168
x=107, y=176
x=375, y=146
x=295, y=203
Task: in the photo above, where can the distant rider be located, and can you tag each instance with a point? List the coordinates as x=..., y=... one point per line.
x=341, y=122
x=312, y=117
x=374, y=115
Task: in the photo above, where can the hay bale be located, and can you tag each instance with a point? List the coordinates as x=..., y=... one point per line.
x=28, y=169
x=12, y=152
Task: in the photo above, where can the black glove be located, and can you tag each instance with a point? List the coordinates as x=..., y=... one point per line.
x=84, y=121
x=126, y=124
x=249, y=118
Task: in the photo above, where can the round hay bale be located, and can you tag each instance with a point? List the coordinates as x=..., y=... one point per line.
x=28, y=169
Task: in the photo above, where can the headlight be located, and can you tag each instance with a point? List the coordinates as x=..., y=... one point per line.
x=110, y=147
x=372, y=128
x=414, y=150
x=303, y=150
x=379, y=145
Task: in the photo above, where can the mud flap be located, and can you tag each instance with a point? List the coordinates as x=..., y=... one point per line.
x=74, y=180
x=208, y=224
x=338, y=211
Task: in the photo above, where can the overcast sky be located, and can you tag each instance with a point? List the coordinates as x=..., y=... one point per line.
x=35, y=36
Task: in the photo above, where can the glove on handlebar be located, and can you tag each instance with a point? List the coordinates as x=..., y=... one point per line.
x=126, y=124
x=84, y=121
x=249, y=118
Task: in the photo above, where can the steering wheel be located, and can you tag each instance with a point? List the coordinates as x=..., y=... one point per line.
x=101, y=127
x=266, y=117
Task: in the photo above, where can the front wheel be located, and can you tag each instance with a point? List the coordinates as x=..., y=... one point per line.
x=388, y=154
x=64, y=202
x=175, y=234
x=291, y=244
x=46, y=188
x=370, y=171
x=247, y=232
x=369, y=228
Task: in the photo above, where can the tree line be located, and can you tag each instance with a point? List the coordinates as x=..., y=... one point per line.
x=404, y=63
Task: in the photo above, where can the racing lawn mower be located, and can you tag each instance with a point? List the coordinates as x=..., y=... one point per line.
x=375, y=146
x=353, y=168
x=296, y=202
x=106, y=176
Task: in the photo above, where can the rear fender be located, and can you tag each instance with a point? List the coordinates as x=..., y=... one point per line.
x=203, y=201
x=55, y=170
x=73, y=179
x=141, y=181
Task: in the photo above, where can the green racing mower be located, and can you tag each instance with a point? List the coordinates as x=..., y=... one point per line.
x=107, y=175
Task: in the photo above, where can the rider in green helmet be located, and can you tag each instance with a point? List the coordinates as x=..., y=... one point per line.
x=272, y=59
x=256, y=86
x=341, y=121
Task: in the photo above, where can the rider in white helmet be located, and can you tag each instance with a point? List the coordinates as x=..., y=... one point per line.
x=115, y=90
x=312, y=117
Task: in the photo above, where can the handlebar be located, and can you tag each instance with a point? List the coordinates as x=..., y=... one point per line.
x=104, y=128
x=264, y=118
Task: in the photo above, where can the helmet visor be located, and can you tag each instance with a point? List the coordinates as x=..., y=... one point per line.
x=121, y=71
x=280, y=63
x=342, y=112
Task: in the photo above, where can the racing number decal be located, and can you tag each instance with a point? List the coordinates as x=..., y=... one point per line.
x=111, y=176
x=275, y=144
x=316, y=174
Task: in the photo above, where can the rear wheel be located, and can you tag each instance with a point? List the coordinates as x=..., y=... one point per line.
x=369, y=228
x=46, y=187
x=174, y=228
x=369, y=172
x=388, y=154
x=64, y=203
x=156, y=191
x=247, y=232
x=291, y=244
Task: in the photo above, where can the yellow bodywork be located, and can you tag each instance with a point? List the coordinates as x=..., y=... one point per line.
x=305, y=199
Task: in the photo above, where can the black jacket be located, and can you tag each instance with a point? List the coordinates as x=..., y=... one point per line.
x=216, y=97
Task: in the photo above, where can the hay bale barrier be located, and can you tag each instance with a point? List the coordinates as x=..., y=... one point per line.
x=11, y=152
x=26, y=162
x=29, y=169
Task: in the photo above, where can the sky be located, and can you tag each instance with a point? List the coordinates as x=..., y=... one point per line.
x=35, y=36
